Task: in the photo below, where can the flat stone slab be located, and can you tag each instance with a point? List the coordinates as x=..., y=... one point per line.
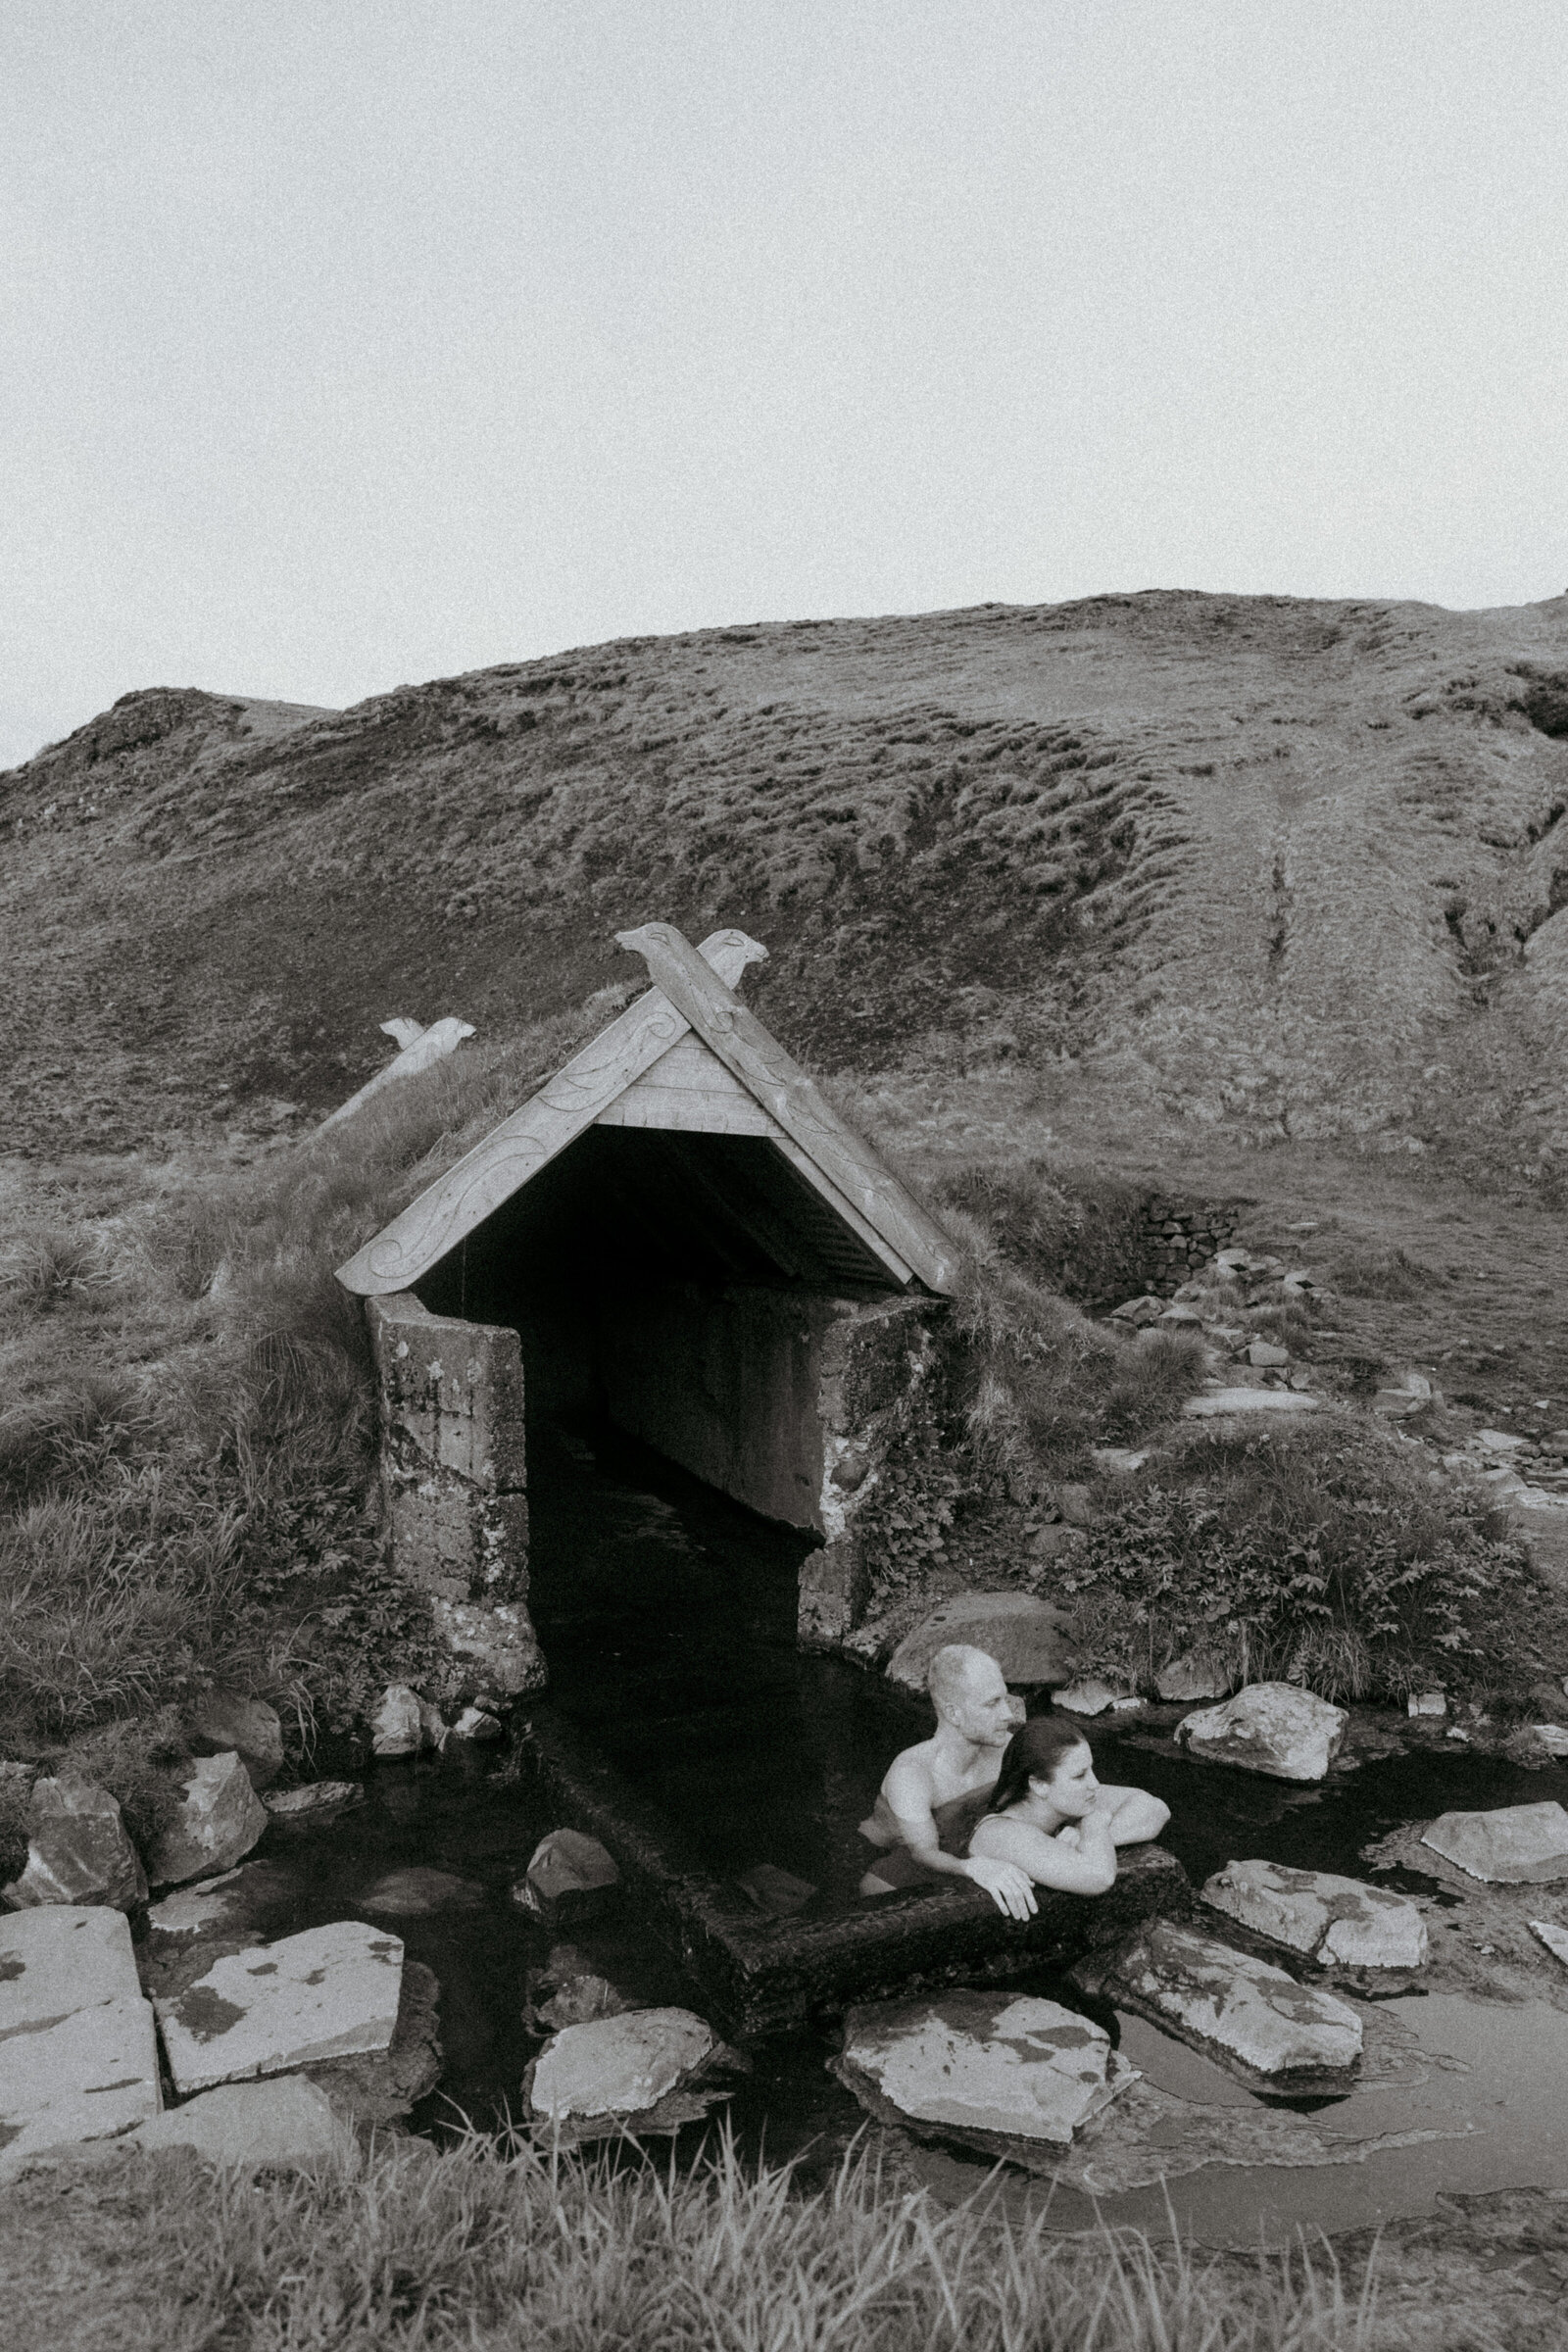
x=618, y=2066
x=282, y=2124
x=1255, y=2019
x=332, y=1992
x=219, y=1819
x=1250, y=1400
x=87, y=2076
x=998, y=2061
x=1329, y=1919
x=62, y=1958
x=1273, y=1728
x=1554, y=1938
x=1517, y=1846
x=1022, y=1632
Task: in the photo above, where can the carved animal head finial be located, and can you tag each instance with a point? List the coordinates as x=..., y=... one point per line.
x=728, y=952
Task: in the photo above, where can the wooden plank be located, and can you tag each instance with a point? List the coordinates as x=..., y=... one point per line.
x=689, y=1090
x=865, y=1233
x=761, y=1063
x=562, y=1108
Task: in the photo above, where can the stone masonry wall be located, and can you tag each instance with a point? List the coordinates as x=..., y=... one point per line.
x=1184, y=1235
x=452, y=1451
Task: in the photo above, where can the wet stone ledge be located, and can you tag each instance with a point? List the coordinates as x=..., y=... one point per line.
x=762, y=1977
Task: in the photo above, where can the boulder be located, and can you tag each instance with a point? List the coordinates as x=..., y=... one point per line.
x=617, y=2065
x=332, y=1992
x=474, y=1723
x=570, y=1862
x=1146, y=1309
x=1022, y=1632
x=396, y=1727
x=1554, y=1938
x=219, y=1819
x=1089, y=1696
x=87, y=2076
x=1518, y=1845
x=1426, y=1702
x=1076, y=1505
x=77, y=1850
x=317, y=1801
x=991, y=2062
x=420, y=1893
x=1197, y=1674
x=248, y=1726
x=1329, y=1919
x=286, y=2122
x=1253, y=2018
x=1250, y=1400
x=434, y=1729
x=1273, y=1728
x=62, y=1958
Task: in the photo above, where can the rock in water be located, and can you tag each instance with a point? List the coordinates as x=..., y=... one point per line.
x=1087, y=1697
x=570, y=1862
x=280, y=2125
x=332, y=1992
x=248, y=1726
x=618, y=2065
x=219, y=1819
x=476, y=1723
x=1253, y=2018
x=1518, y=1845
x=1272, y=1727
x=1329, y=1918
x=993, y=2062
x=1023, y=1634
x=317, y=1801
x=60, y=1959
x=417, y=1893
x=77, y=1850
x=397, y=1728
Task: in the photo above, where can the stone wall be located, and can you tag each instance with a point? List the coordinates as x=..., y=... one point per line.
x=1184, y=1235
x=452, y=1461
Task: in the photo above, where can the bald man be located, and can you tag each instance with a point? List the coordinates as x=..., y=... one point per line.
x=934, y=1793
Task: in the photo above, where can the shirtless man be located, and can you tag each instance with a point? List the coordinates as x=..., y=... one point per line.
x=934, y=1793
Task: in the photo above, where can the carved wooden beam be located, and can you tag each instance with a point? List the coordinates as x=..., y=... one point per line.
x=759, y=1062
x=540, y=1131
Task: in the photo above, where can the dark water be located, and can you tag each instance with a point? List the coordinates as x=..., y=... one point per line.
x=668, y=1616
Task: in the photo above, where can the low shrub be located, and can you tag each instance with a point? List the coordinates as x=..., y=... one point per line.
x=1314, y=1555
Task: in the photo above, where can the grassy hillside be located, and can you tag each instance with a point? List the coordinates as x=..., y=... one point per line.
x=1257, y=866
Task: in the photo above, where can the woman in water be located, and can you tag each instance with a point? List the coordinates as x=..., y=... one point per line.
x=1049, y=1815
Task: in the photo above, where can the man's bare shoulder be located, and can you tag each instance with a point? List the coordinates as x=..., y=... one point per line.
x=911, y=1774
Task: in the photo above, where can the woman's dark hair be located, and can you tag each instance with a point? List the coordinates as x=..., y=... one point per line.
x=1033, y=1753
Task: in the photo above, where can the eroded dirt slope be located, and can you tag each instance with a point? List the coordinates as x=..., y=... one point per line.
x=1286, y=866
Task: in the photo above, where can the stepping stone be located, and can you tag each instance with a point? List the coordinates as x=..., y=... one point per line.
x=1253, y=2018
x=1554, y=1938
x=617, y=2065
x=87, y=2076
x=420, y=1893
x=77, y=1850
x=1326, y=1917
x=1022, y=1632
x=219, y=1819
x=60, y=1958
x=1272, y=1727
x=332, y=1992
x=1518, y=1845
x=990, y=2062
x=286, y=2122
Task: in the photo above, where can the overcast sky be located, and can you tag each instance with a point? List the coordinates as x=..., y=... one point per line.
x=352, y=344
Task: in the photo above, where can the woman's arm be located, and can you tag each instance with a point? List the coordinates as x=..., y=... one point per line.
x=1134, y=1815
x=1088, y=1869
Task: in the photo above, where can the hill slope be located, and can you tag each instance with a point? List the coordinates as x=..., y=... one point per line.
x=1279, y=866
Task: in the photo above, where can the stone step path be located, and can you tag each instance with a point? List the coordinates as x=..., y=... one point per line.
x=330, y=1992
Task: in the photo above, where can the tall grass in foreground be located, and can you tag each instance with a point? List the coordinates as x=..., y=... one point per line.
x=422, y=2252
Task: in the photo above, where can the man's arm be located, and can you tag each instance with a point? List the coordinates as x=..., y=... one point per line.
x=907, y=1792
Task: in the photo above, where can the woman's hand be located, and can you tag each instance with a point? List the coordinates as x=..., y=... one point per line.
x=1011, y=1888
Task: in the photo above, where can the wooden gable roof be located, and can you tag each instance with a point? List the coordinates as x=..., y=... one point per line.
x=687, y=1058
